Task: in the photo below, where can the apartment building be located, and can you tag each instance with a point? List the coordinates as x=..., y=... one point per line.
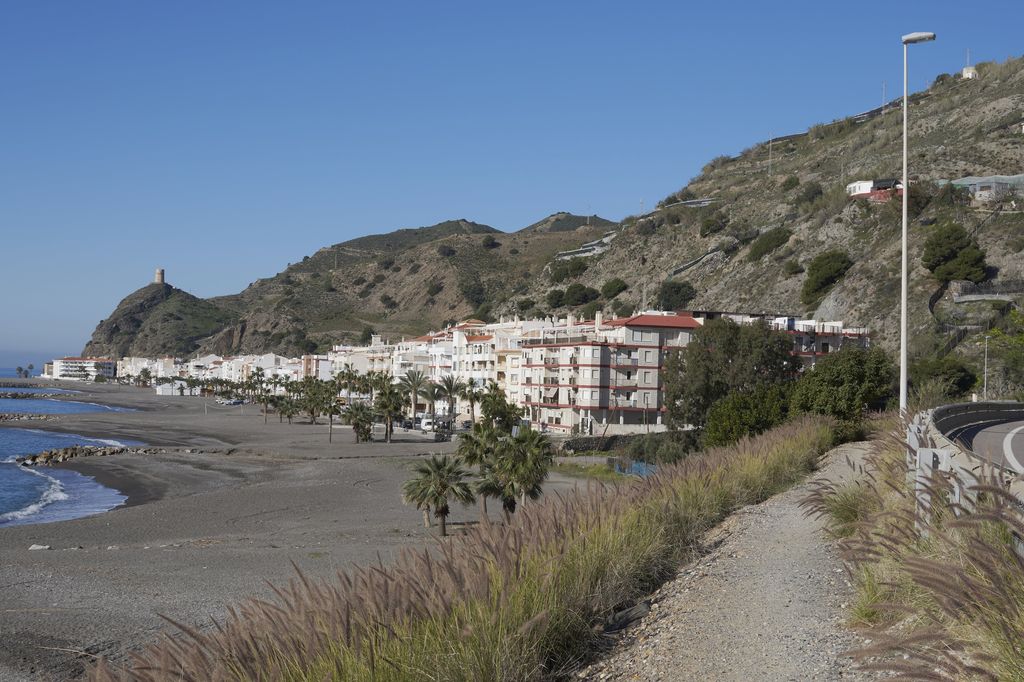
x=601, y=377
x=84, y=369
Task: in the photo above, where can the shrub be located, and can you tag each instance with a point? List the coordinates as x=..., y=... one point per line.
x=367, y=335
x=673, y=295
x=445, y=251
x=809, y=193
x=950, y=254
x=388, y=302
x=822, y=273
x=414, y=268
x=613, y=288
x=567, y=269
x=951, y=374
x=555, y=298
x=577, y=294
x=790, y=183
x=435, y=288
x=359, y=281
x=525, y=304
x=792, y=267
x=386, y=262
x=590, y=310
x=472, y=289
x=713, y=224
x=377, y=279
x=621, y=308
x=667, y=447
x=746, y=413
x=843, y=383
x=768, y=242
x=489, y=242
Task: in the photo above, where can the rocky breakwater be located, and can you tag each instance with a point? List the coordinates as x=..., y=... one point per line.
x=18, y=417
x=50, y=457
x=18, y=395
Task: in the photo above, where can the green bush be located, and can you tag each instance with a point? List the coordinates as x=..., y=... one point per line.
x=525, y=305
x=489, y=242
x=472, y=289
x=445, y=251
x=822, y=273
x=673, y=295
x=790, y=183
x=591, y=309
x=613, y=288
x=555, y=298
x=953, y=375
x=359, y=281
x=577, y=294
x=388, y=302
x=844, y=383
x=950, y=254
x=435, y=288
x=567, y=269
x=809, y=193
x=792, y=267
x=746, y=413
x=386, y=262
x=666, y=447
x=713, y=224
x=366, y=335
x=768, y=242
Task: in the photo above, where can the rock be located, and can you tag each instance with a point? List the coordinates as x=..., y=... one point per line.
x=33, y=548
x=623, y=619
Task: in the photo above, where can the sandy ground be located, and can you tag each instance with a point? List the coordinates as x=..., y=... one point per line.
x=765, y=602
x=200, y=530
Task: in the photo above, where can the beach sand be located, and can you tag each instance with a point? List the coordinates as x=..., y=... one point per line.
x=201, y=530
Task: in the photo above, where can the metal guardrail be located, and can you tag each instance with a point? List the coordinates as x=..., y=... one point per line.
x=938, y=444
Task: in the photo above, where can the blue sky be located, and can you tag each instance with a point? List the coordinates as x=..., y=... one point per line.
x=223, y=140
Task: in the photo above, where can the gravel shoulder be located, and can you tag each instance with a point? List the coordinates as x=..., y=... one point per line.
x=765, y=602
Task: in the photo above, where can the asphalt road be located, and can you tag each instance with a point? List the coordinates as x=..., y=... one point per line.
x=1002, y=444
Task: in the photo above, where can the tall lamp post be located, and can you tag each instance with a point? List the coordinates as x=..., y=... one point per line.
x=984, y=391
x=908, y=39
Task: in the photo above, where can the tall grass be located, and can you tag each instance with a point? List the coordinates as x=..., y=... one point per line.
x=941, y=584
x=502, y=602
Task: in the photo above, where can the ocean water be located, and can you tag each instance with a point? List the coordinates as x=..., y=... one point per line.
x=33, y=389
x=41, y=495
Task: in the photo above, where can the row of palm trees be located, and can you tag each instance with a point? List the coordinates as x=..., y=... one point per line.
x=23, y=373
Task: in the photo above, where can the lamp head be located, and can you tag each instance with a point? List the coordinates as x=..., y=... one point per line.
x=920, y=37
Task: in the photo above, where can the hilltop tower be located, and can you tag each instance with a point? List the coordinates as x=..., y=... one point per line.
x=159, y=277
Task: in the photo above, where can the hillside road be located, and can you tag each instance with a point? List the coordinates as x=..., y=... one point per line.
x=1001, y=444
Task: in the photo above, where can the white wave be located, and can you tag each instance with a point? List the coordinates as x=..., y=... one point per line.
x=54, y=493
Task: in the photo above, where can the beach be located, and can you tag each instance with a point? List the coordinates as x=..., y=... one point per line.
x=231, y=503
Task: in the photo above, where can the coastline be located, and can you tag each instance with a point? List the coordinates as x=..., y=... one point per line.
x=231, y=504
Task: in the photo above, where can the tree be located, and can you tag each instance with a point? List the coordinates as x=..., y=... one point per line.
x=844, y=383
x=674, y=295
x=432, y=393
x=390, y=404
x=613, y=288
x=437, y=481
x=367, y=335
x=360, y=417
x=951, y=254
x=452, y=387
x=722, y=357
x=489, y=242
x=823, y=272
x=19, y=371
x=332, y=408
x=577, y=294
x=955, y=377
x=497, y=411
x=519, y=468
x=555, y=298
x=477, y=447
x=472, y=393
x=413, y=384
x=746, y=413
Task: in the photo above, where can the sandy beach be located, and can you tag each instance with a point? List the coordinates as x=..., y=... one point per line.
x=201, y=529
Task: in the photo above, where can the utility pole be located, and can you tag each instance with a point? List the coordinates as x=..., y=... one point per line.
x=769, y=156
x=984, y=390
x=883, y=97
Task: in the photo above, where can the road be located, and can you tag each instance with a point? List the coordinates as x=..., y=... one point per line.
x=1001, y=444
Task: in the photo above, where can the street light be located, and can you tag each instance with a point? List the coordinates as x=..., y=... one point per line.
x=908, y=39
x=984, y=390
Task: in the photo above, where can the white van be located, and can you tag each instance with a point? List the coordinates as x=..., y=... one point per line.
x=427, y=424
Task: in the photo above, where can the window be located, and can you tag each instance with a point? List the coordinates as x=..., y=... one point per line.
x=595, y=374
x=596, y=352
x=647, y=377
x=647, y=356
x=638, y=335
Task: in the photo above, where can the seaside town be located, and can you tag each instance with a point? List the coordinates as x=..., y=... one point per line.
x=569, y=376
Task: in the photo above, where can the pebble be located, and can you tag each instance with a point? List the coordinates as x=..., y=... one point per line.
x=33, y=548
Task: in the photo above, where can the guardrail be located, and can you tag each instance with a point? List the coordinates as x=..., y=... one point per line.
x=940, y=444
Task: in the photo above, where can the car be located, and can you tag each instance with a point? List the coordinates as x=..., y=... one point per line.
x=426, y=424
x=407, y=424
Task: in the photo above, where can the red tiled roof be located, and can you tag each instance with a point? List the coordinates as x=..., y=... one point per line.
x=666, y=321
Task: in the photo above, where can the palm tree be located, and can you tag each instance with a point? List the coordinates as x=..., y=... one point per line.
x=432, y=393
x=452, y=387
x=390, y=404
x=28, y=370
x=437, y=481
x=18, y=371
x=472, y=394
x=347, y=379
x=477, y=448
x=519, y=470
x=360, y=416
x=413, y=383
x=332, y=408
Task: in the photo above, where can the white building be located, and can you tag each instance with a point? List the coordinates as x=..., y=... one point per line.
x=84, y=369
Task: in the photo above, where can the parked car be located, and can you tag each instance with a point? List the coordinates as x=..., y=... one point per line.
x=426, y=424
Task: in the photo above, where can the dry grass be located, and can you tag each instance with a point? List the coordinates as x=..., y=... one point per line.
x=502, y=602
x=942, y=585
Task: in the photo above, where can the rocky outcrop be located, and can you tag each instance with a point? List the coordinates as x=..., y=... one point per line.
x=59, y=455
x=18, y=417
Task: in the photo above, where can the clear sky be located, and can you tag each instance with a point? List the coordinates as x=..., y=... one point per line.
x=221, y=140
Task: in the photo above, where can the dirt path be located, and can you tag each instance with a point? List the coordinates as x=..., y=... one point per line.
x=765, y=603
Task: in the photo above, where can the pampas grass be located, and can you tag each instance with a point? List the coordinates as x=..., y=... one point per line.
x=501, y=602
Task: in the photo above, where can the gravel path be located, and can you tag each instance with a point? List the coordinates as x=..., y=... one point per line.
x=765, y=603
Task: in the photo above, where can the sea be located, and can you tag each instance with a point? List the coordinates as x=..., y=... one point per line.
x=44, y=494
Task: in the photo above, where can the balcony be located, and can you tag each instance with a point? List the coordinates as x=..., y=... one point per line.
x=624, y=362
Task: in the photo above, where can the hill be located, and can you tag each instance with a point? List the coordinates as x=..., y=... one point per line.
x=766, y=221
x=745, y=233
x=404, y=282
